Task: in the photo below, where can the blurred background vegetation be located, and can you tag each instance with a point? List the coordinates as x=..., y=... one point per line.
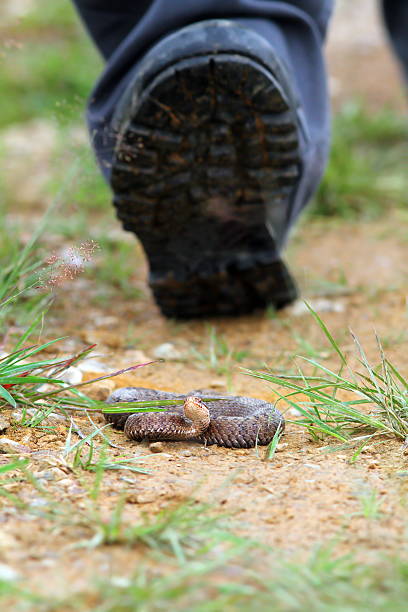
x=48, y=68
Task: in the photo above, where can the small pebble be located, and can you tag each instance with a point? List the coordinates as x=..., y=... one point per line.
x=46, y=475
x=281, y=447
x=133, y=357
x=245, y=479
x=101, y=390
x=49, y=459
x=7, y=573
x=168, y=351
x=10, y=446
x=294, y=411
x=92, y=365
x=105, y=322
x=145, y=498
x=4, y=424
x=66, y=482
x=57, y=473
x=299, y=308
x=121, y=582
x=312, y=466
x=131, y=498
x=156, y=447
x=217, y=383
x=39, y=502
x=71, y=375
x=7, y=541
x=75, y=490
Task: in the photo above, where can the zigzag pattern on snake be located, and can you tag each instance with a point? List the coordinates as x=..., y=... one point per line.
x=234, y=422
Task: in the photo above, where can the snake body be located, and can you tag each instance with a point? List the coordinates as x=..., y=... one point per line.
x=234, y=422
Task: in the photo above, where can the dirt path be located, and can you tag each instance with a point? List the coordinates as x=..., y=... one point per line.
x=305, y=495
x=360, y=59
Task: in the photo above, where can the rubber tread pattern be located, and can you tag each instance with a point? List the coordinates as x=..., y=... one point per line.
x=209, y=152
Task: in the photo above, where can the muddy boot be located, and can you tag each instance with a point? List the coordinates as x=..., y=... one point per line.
x=206, y=164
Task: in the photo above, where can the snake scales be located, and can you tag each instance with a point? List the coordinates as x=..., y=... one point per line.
x=234, y=422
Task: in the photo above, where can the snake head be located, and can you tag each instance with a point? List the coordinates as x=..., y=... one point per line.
x=196, y=410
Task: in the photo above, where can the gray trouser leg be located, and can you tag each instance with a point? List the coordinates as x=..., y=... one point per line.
x=396, y=19
x=296, y=29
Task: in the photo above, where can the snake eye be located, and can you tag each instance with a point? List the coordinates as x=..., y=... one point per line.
x=193, y=400
x=194, y=403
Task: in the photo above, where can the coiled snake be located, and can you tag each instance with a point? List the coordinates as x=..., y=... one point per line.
x=234, y=422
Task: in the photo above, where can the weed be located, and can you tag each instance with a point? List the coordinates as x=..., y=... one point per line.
x=219, y=357
x=233, y=581
x=193, y=561
x=270, y=451
x=68, y=265
x=34, y=417
x=86, y=460
x=183, y=530
x=370, y=505
x=379, y=404
x=18, y=276
x=117, y=266
x=304, y=345
x=323, y=287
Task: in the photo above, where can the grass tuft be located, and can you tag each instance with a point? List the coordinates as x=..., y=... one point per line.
x=346, y=404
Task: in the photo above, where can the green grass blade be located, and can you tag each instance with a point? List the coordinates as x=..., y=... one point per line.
x=326, y=332
x=6, y=395
x=87, y=438
x=274, y=443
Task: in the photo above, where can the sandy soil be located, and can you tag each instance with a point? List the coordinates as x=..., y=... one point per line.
x=360, y=59
x=306, y=495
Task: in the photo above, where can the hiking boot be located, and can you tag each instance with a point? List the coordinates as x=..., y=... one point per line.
x=205, y=167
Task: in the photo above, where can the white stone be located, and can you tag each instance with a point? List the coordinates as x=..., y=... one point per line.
x=7, y=573
x=167, y=350
x=15, y=9
x=134, y=357
x=299, y=308
x=92, y=365
x=312, y=466
x=11, y=446
x=4, y=424
x=294, y=411
x=72, y=375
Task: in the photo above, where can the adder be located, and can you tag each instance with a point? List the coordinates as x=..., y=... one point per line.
x=234, y=422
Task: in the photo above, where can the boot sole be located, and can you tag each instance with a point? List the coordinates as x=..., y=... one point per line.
x=204, y=169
